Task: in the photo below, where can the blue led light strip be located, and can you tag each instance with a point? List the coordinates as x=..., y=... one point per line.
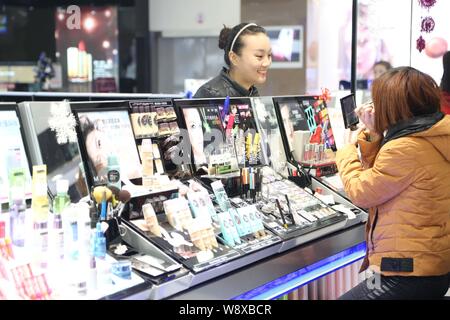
x=289, y=282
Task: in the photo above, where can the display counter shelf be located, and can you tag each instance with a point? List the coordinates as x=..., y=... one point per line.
x=330, y=252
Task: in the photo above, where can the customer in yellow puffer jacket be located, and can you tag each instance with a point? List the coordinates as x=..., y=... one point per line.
x=403, y=176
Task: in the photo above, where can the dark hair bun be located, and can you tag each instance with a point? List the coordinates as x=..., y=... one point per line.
x=223, y=37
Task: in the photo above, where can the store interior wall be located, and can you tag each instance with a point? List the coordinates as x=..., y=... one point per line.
x=279, y=13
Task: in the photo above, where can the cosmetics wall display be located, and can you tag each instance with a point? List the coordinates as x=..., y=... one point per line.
x=14, y=157
x=271, y=138
x=307, y=133
x=151, y=119
x=157, y=120
x=186, y=228
x=223, y=135
x=202, y=233
x=239, y=125
x=205, y=146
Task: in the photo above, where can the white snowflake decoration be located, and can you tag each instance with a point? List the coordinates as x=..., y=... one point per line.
x=63, y=123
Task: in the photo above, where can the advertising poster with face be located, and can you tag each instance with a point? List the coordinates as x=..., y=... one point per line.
x=109, y=133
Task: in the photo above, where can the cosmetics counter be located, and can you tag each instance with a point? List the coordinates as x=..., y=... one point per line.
x=208, y=194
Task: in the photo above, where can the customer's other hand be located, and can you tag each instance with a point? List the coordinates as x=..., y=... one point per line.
x=351, y=137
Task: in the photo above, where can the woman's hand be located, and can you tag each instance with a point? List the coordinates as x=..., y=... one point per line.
x=366, y=114
x=351, y=137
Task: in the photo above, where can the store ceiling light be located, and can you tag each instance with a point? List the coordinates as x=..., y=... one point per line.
x=89, y=24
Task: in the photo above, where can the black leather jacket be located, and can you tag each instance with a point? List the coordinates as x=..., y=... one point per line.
x=223, y=86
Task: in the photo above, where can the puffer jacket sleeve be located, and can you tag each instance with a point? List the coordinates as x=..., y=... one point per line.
x=369, y=150
x=392, y=172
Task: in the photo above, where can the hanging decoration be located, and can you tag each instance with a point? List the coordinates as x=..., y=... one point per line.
x=427, y=25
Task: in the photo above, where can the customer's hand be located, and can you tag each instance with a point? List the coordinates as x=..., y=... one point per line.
x=366, y=114
x=351, y=137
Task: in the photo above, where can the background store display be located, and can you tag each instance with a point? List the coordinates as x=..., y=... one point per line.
x=52, y=139
x=12, y=150
x=240, y=127
x=308, y=133
x=287, y=46
x=89, y=54
x=206, y=144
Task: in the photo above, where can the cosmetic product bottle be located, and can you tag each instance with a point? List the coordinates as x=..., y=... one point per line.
x=56, y=239
x=154, y=122
x=232, y=230
x=151, y=219
x=84, y=230
x=246, y=221
x=62, y=199
x=256, y=148
x=238, y=222
x=147, y=163
x=113, y=172
x=40, y=241
x=145, y=125
x=17, y=207
x=70, y=226
x=209, y=205
x=99, y=242
x=92, y=275
x=245, y=182
x=39, y=202
x=248, y=146
x=135, y=121
x=221, y=195
x=224, y=220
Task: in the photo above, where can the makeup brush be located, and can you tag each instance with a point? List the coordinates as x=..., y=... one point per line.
x=291, y=216
x=115, y=195
x=97, y=194
x=124, y=197
x=101, y=196
x=281, y=214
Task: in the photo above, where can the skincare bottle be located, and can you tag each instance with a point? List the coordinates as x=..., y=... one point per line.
x=113, y=173
x=84, y=230
x=17, y=207
x=39, y=202
x=99, y=242
x=40, y=240
x=70, y=226
x=92, y=275
x=56, y=240
x=151, y=220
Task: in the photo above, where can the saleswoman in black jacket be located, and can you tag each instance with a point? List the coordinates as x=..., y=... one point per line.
x=248, y=55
